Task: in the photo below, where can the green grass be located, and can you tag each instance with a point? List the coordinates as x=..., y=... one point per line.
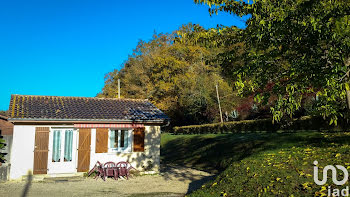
x=258, y=164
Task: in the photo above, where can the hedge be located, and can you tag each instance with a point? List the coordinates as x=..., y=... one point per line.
x=262, y=125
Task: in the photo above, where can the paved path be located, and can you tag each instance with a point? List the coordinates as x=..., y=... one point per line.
x=173, y=181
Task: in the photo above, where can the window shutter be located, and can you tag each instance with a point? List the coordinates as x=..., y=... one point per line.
x=101, y=140
x=139, y=139
x=41, y=150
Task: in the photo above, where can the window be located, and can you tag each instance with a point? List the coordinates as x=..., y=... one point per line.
x=56, y=149
x=68, y=144
x=62, y=138
x=119, y=141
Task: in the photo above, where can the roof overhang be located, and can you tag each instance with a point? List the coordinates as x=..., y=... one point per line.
x=31, y=120
x=3, y=117
x=99, y=125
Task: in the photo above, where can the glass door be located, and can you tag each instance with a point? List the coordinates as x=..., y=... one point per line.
x=62, y=151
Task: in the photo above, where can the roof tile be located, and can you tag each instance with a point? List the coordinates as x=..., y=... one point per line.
x=82, y=108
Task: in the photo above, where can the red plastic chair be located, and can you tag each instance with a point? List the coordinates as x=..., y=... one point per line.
x=99, y=171
x=124, y=168
x=110, y=169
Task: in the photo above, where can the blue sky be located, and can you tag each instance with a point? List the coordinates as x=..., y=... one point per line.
x=65, y=48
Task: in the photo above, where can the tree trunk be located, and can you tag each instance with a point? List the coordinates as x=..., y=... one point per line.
x=347, y=64
x=348, y=98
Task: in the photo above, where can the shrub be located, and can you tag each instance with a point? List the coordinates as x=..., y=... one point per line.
x=262, y=125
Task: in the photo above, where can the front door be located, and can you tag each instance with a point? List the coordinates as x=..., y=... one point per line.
x=62, y=153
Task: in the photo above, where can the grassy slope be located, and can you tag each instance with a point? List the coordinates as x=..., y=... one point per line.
x=276, y=164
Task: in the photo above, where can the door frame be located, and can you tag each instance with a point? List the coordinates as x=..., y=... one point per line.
x=62, y=167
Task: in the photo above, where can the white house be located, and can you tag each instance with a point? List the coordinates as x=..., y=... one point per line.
x=58, y=135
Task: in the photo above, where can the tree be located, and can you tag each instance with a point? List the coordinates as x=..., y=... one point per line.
x=175, y=72
x=299, y=46
x=3, y=113
x=2, y=141
x=2, y=145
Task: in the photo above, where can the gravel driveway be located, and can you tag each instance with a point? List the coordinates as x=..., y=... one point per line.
x=172, y=181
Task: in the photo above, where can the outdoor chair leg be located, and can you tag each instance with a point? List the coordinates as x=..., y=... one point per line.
x=116, y=174
x=101, y=175
x=98, y=174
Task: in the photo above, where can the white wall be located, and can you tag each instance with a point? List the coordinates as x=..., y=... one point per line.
x=140, y=160
x=22, y=153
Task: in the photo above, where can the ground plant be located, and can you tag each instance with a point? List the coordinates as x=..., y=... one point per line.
x=258, y=164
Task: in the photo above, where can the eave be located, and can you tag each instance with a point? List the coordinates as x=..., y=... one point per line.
x=62, y=121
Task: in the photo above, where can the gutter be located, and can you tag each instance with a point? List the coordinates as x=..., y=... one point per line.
x=31, y=120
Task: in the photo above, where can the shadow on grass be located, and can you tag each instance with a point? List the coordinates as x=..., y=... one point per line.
x=213, y=153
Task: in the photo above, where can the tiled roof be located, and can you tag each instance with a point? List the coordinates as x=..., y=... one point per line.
x=82, y=108
x=3, y=117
